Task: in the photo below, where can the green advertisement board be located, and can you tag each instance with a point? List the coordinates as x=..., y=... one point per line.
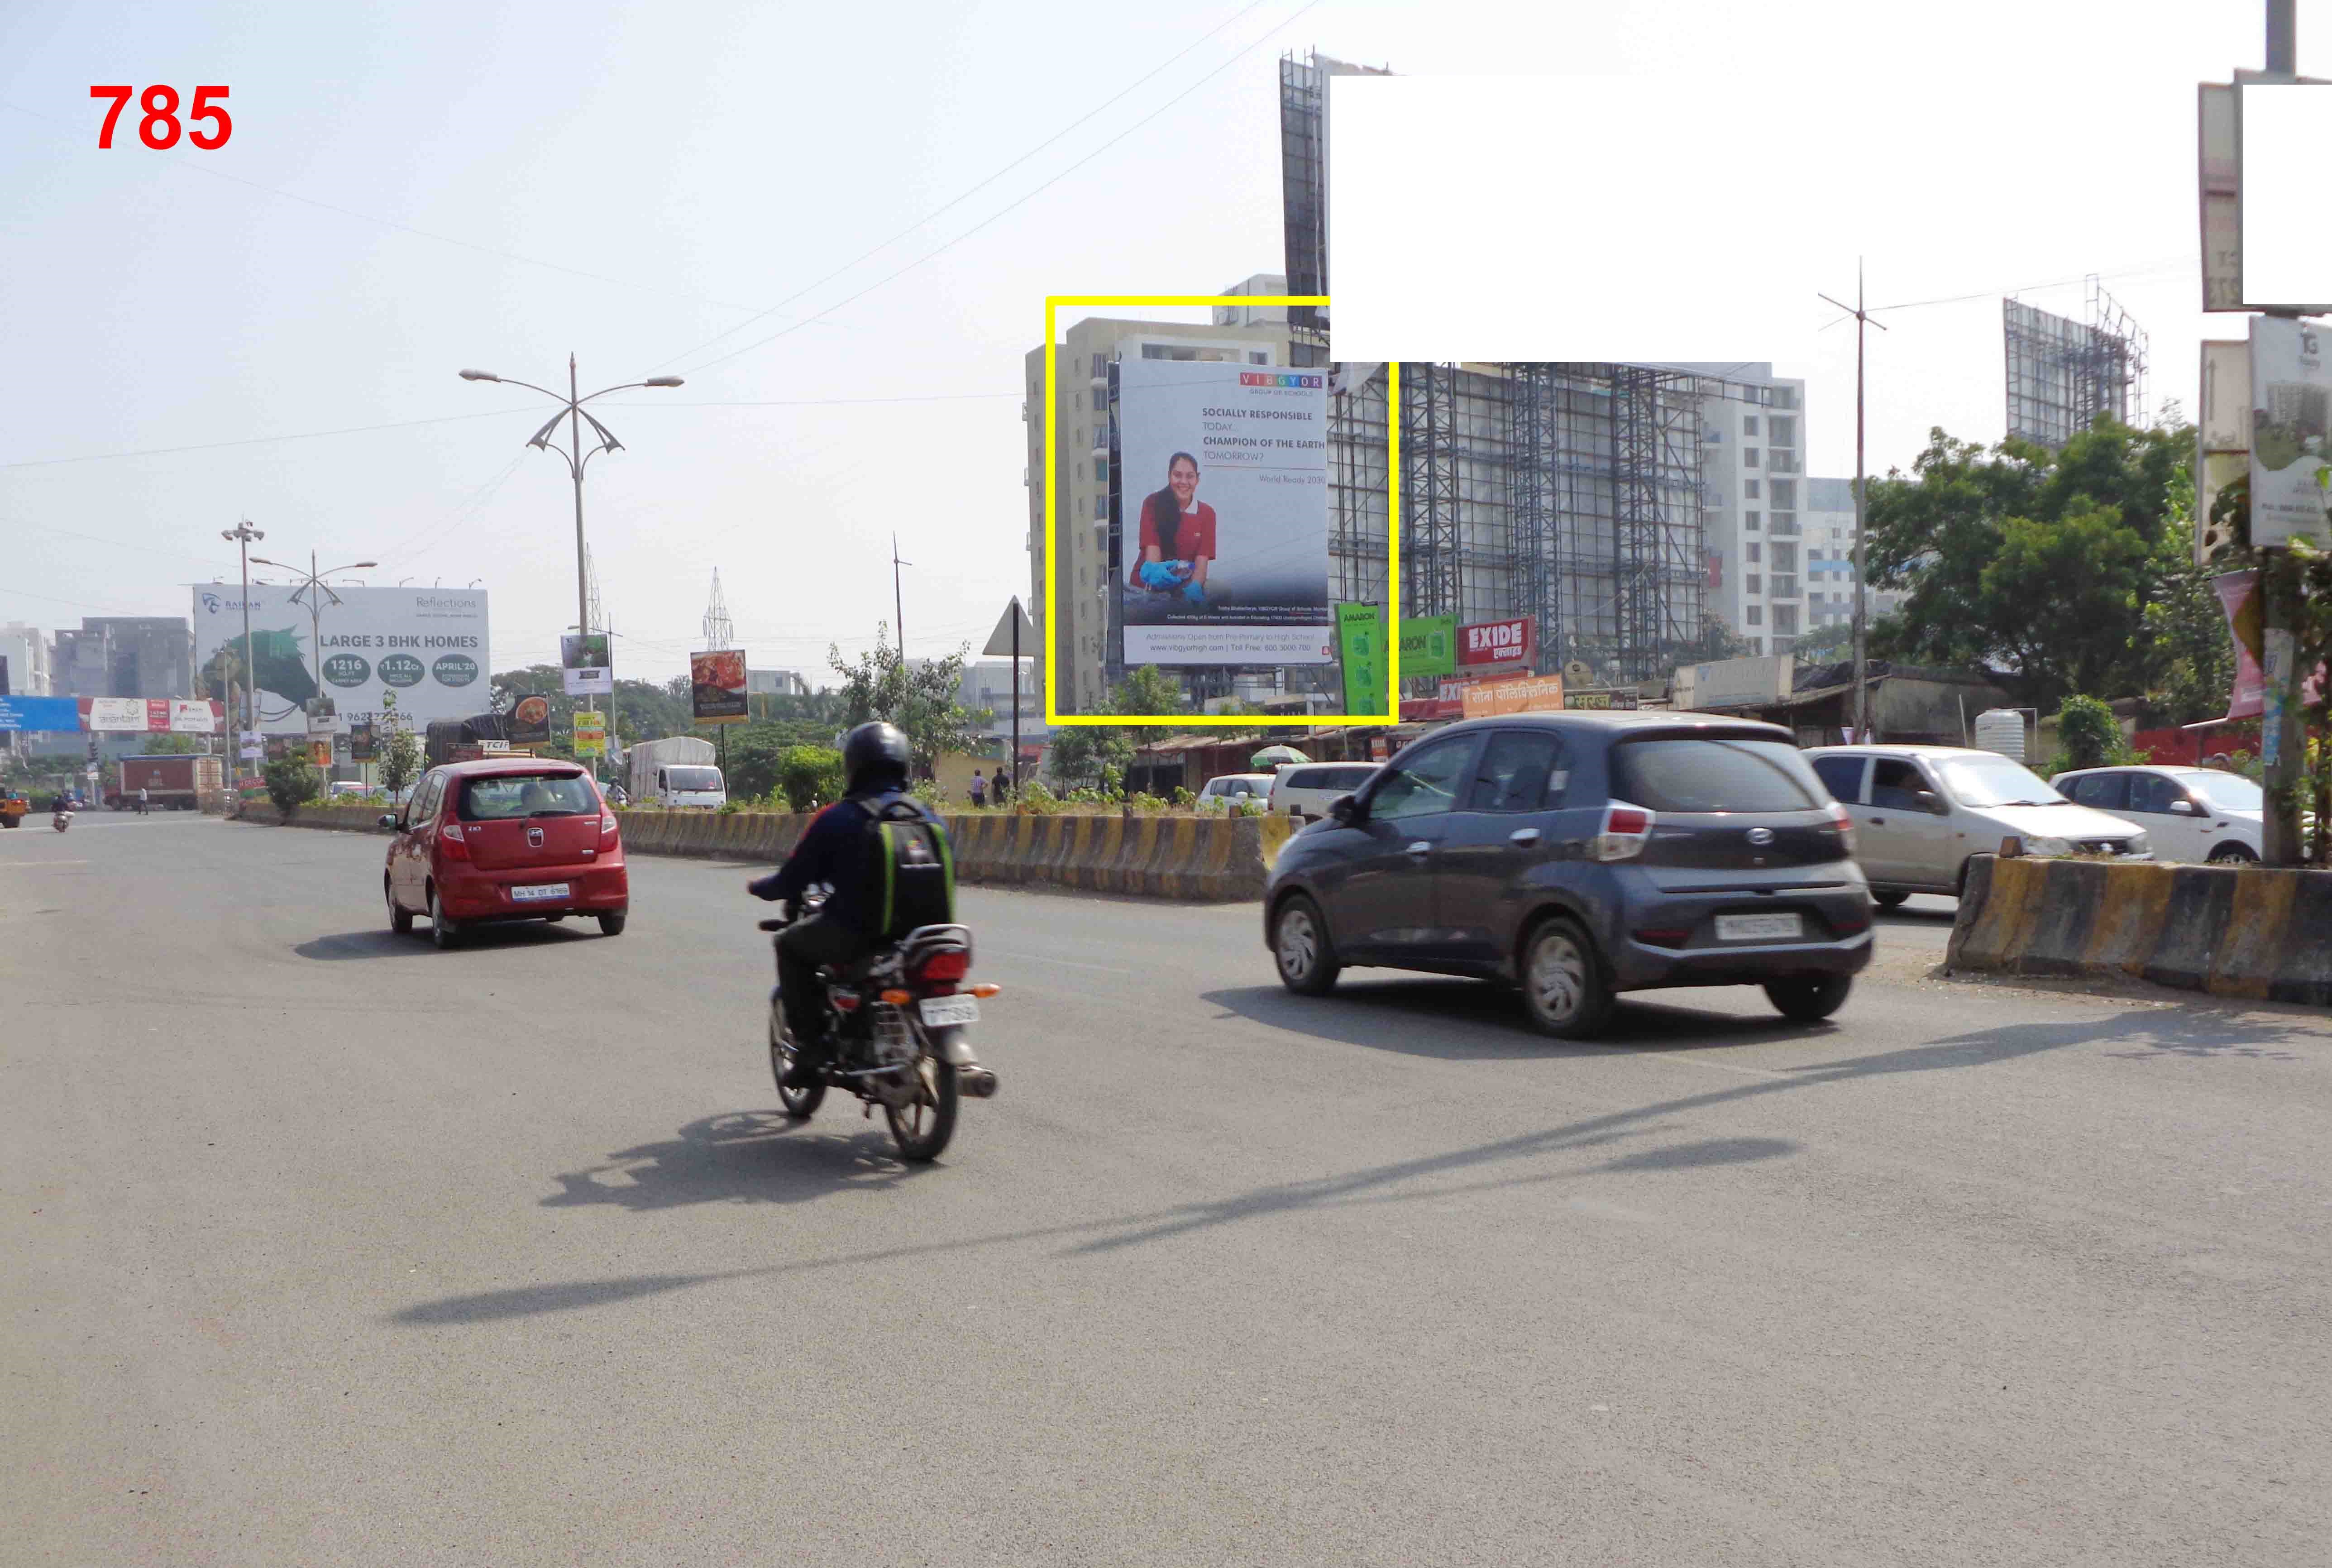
x=1361, y=649
x=1428, y=646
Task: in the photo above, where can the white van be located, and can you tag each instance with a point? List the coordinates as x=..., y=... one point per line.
x=1920, y=812
x=682, y=785
x=1305, y=791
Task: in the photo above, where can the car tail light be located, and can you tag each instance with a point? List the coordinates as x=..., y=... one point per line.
x=1626, y=830
x=607, y=824
x=947, y=964
x=1664, y=936
x=1841, y=822
x=449, y=838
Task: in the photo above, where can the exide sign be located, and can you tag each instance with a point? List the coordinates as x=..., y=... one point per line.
x=1495, y=642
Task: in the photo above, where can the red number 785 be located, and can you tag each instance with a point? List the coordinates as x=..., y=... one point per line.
x=161, y=106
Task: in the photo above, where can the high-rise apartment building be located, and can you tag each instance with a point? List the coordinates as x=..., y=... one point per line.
x=1079, y=641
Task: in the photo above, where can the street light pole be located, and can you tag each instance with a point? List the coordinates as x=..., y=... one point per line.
x=314, y=586
x=571, y=410
x=243, y=534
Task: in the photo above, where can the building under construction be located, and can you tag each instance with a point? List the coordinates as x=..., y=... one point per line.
x=2062, y=374
x=1571, y=494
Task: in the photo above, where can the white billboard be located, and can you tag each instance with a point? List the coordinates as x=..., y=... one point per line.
x=427, y=646
x=1223, y=484
x=2291, y=431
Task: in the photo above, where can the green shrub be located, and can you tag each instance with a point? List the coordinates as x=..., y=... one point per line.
x=1183, y=799
x=2089, y=736
x=291, y=783
x=809, y=777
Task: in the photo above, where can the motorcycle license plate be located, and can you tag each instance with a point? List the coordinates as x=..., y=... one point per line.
x=539, y=892
x=1759, y=927
x=942, y=1010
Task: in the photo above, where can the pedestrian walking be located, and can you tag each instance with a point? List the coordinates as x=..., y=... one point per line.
x=978, y=790
x=141, y=800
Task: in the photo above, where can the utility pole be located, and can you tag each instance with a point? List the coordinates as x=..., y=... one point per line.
x=898, y=599
x=2282, y=737
x=243, y=534
x=1862, y=319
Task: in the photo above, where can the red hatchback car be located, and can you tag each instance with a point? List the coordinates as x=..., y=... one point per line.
x=514, y=838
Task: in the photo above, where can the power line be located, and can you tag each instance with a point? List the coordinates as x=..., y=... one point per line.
x=2129, y=271
x=1014, y=206
x=259, y=440
x=181, y=160
x=962, y=197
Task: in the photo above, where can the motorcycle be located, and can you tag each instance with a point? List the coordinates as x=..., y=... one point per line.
x=897, y=1020
x=61, y=821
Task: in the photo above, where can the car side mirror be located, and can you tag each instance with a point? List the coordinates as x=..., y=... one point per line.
x=2183, y=808
x=1928, y=801
x=1346, y=809
x=388, y=820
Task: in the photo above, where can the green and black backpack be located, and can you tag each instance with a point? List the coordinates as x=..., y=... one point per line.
x=913, y=873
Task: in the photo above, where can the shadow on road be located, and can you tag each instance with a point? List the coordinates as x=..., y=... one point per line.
x=743, y=1157
x=1463, y=1019
x=758, y=1156
x=383, y=943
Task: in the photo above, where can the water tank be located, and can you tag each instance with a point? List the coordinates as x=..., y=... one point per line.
x=2000, y=729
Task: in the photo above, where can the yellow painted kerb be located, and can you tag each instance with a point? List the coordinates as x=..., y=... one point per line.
x=1391, y=714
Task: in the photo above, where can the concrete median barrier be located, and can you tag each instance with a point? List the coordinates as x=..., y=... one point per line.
x=2248, y=931
x=1215, y=859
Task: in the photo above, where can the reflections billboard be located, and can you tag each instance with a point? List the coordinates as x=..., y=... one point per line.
x=427, y=646
x=1223, y=494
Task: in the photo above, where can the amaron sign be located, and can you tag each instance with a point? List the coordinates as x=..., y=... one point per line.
x=1507, y=642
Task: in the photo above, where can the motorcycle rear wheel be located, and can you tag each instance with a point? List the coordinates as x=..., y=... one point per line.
x=922, y=1129
x=800, y=1103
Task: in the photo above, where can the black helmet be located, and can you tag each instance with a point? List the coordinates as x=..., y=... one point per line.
x=874, y=756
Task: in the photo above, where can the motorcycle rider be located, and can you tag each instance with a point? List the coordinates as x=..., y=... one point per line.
x=836, y=849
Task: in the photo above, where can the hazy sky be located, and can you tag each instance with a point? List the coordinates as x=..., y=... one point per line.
x=706, y=162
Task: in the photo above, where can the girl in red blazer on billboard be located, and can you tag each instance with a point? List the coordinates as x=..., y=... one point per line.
x=1178, y=536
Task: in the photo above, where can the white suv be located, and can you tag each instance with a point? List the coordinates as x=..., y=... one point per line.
x=1305, y=791
x=1921, y=811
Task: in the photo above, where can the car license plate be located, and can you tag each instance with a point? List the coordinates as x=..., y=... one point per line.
x=538, y=894
x=939, y=1011
x=1759, y=927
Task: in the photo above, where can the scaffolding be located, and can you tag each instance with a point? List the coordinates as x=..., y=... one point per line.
x=2062, y=374
x=1303, y=198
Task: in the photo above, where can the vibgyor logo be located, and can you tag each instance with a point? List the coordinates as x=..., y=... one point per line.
x=402, y=669
x=454, y=669
x=347, y=669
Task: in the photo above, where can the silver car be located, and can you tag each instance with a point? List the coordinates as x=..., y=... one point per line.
x=1920, y=812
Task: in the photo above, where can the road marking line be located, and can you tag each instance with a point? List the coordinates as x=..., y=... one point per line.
x=12, y=865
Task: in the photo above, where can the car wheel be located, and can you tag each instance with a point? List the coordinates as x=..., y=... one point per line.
x=1563, y=988
x=1809, y=1001
x=400, y=919
x=612, y=924
x=1299, y=947
x=2232, y=855
x=1888, y=900
x=444, y=932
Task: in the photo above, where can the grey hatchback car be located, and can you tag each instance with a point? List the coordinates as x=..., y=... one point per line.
x=1583, y=854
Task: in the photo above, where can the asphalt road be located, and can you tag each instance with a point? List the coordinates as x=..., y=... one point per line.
x=326, y=1248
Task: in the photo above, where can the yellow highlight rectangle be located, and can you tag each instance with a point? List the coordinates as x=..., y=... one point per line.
x=1391, y=714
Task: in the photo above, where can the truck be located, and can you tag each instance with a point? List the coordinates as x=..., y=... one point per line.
x=174, y=782
x=676, y=771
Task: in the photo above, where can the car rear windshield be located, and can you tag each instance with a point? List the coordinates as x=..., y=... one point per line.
x=508, y=795
x=1710, y=773
x=691, y=777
